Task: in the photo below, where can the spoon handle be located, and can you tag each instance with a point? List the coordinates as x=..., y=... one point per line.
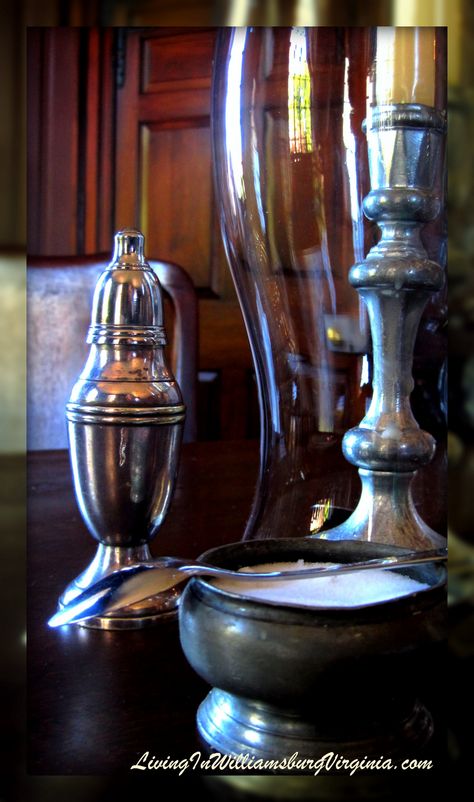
x=404, y=561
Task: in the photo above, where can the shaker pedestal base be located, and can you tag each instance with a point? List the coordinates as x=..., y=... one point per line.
x=133, y=621
x=136, y=616
x=236, y=726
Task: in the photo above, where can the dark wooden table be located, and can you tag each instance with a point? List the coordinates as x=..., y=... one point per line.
x=98, y=700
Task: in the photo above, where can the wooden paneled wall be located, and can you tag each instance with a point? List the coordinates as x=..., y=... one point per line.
x=119, y=134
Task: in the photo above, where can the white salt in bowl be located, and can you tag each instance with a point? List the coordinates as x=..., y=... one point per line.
x=356, y=589
x=286, y=675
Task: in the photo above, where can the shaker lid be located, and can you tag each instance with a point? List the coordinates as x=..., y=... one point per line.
x=129, y=249
x=127, y=308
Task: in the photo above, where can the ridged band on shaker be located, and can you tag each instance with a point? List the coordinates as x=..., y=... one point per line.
x=109, y=334
x=82, y=413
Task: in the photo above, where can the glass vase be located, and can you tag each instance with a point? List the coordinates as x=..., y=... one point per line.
x=290, y=174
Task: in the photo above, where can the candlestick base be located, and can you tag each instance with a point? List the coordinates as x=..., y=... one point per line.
x=386, y=514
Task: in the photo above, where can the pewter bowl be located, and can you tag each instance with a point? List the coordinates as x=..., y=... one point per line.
x=291, y=679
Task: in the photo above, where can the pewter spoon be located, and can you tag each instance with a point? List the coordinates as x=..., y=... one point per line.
x=135, y=583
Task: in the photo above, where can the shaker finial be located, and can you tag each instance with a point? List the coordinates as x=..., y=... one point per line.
x=129, y=247
x=127, y=308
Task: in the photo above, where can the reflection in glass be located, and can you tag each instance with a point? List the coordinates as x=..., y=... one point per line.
x=290, y=169
x=299, y=95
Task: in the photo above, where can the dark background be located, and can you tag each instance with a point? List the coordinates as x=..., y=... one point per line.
x=16, y=16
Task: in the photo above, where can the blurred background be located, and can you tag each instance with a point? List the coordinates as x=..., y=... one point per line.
x=86, y=227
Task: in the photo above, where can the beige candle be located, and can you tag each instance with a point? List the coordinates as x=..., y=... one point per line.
x=405, y=66
x=455, y=42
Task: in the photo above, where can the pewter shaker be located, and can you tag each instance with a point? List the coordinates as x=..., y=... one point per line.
x=125, y=421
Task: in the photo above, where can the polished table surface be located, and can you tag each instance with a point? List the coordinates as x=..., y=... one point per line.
x=98, y=700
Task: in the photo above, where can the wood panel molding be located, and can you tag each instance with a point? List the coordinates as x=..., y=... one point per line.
x=70, y=140
x=174, y=62
x=53, y=140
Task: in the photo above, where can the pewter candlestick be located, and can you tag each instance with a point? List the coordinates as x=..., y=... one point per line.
x=125, y=420
x=406, y=146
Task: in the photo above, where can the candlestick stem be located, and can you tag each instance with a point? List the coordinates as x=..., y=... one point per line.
x=405, y=145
